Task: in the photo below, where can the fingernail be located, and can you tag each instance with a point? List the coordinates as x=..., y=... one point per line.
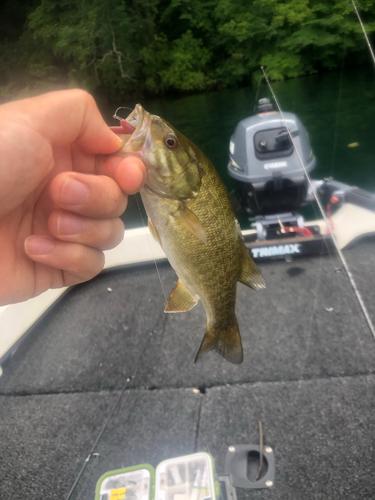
x=143, y=176
x=39, y=245
x=121, y=143
x=73, y=192
x=69, y=224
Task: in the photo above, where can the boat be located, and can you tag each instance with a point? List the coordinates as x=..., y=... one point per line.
x=97, y=379
x=270, y=157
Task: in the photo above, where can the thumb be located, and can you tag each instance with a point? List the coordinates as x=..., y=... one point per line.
x=30, y=129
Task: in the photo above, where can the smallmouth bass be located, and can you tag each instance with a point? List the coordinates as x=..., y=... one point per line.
x=191, y=216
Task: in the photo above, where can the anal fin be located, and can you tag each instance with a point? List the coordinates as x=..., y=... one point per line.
x=227, y=342
x=181, y=300
x=250, y=274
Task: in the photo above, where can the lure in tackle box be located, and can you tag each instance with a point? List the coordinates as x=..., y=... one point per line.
x=189, y=477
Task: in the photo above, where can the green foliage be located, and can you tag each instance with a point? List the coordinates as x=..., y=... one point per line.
x=181, y=64
x=155, y=46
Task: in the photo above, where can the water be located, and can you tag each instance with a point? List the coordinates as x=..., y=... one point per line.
x=337, y=110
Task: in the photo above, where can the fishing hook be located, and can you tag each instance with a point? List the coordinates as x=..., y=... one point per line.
x=119, y=117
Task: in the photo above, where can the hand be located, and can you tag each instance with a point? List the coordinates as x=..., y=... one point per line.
x=59, y=198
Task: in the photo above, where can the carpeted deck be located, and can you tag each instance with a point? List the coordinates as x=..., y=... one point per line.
x=308, y=375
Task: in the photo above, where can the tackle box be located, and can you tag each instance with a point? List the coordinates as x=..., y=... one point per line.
x=189, y=477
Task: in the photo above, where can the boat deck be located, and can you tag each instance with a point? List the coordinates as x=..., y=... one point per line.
x=308, y=375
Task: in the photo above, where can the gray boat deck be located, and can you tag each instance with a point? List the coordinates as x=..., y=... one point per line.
x=308, y=375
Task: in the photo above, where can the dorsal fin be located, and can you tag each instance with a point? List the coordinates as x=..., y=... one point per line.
x=181, y=300
x=250, y=274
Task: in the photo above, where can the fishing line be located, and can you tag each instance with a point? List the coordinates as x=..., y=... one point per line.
x=257, y=92
x=308, y=336
x=153, y=255
x=104, y=426
x=337, y=271
x=364, y=32
x=107, y=420
x=143, y=222
x=118, y=400
x=313, y=190
x=339, y=98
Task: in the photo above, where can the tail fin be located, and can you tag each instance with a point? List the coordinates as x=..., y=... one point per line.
x=226, y=342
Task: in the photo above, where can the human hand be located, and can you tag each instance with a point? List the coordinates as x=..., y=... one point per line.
x=60, y=200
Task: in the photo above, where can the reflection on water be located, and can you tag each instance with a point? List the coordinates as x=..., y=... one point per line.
x=333, y=124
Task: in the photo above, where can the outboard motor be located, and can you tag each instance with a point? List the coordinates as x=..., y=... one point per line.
x=263, y=161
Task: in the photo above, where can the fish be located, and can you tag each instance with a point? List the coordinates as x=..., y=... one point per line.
x=191, y=216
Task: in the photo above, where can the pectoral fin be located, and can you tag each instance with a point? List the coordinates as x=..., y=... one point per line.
x=154, y=231
x=181, y=300
x=227, y=342
x=250, y=274
x=190, y=222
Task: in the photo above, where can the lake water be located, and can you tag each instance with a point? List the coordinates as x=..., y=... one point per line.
x=337, y=110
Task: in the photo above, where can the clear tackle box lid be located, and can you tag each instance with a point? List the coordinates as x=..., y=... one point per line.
x=190, y=477
x=132, y=483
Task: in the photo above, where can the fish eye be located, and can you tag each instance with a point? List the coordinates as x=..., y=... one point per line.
x=171, y=141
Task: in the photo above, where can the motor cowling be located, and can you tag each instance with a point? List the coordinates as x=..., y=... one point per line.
x=264, y=162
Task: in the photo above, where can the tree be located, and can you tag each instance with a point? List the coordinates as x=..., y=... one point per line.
x=156, y=46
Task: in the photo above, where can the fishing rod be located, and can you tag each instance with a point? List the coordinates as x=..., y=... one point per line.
x=364, y=32
x=312, y=187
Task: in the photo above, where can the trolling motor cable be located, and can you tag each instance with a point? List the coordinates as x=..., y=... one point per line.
x=312, y=187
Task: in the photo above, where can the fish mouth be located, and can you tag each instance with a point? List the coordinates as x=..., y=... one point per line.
x=135, y=119
x=133, y=131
